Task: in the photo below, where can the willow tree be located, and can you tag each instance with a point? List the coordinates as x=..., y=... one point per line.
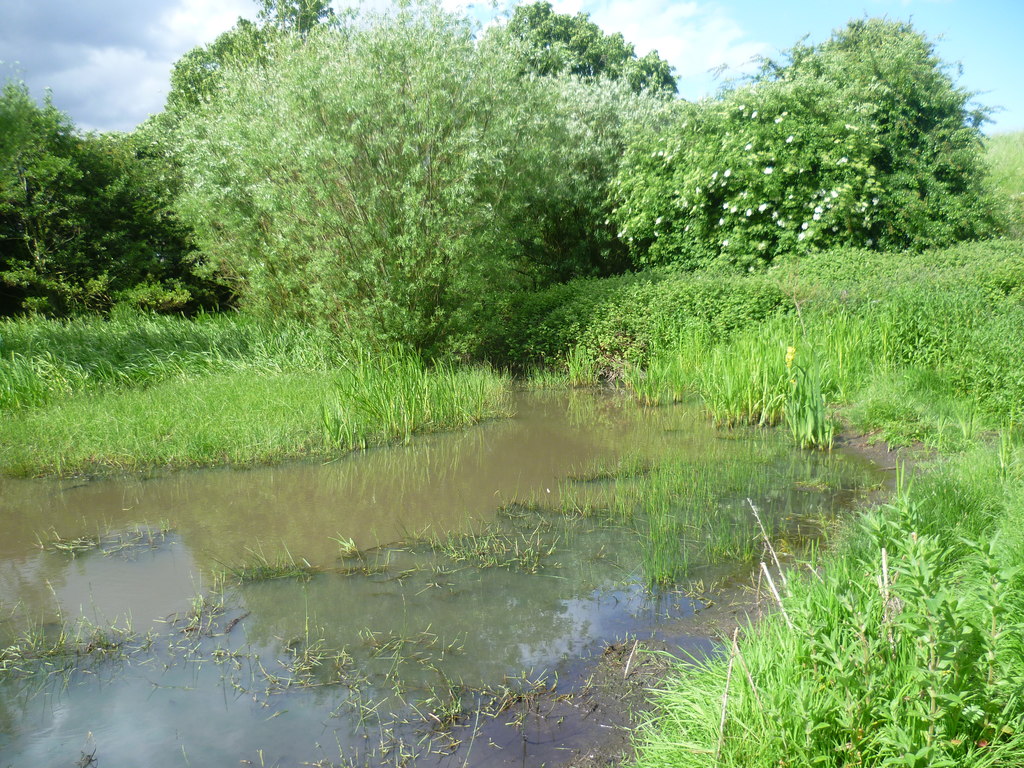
x=369, y=178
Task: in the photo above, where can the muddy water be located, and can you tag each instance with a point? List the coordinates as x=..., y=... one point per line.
x=370, y=659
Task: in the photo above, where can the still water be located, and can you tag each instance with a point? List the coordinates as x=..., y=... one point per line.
x=477, y=576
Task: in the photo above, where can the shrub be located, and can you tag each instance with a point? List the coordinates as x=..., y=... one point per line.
x=864, y=140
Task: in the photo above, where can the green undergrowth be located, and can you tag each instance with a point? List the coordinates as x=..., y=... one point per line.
x=1006, y=161
x=845, y=329
x=902, y=647
x=94, y=397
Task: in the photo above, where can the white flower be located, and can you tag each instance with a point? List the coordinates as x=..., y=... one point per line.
x=804, y=225
x=834, y=194
x=789, y=139
x=732, y=209
x=801, y=236
x=761, y=207
x=816, y=216
x=661, y=154
x=725, y=206
x=753, y=114
x=657, y=221
x=721, y=222
x=749, y=147
x=874, y=201
x=725, y=243
x=714, y=175
x=728, y=172
x=749, y=211
x=778, y=119
x=842, y=160
x=768, y=171
x=870, y=242
x=817, y=209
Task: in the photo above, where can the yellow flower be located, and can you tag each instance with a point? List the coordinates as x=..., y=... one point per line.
x=790, y=354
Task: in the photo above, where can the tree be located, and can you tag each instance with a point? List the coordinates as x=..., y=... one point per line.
x=199, y=74
x=83, y=225
x=864, y=140
x=370, y=180
x=299, y=16
x=559, y=43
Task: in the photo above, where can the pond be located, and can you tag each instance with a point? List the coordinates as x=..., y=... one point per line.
x=395, y=606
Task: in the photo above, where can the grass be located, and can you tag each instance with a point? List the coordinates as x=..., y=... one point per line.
x=1006, y=159
x=258, y=567
x=89, y=396
x=903, y=648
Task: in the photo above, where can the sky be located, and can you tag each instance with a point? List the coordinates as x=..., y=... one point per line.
x=107, y=62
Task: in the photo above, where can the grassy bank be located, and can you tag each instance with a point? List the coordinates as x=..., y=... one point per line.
x=902, y=648
x=94, y=396
x=1006, y=160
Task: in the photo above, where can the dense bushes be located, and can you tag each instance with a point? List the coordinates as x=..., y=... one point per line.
x=618, y=320
x=957, y=312
x=863, y=140
x=85, y=221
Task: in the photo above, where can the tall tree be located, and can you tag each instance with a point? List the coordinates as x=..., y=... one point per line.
x=83, y=223
x=558, y=42
x=299, y=16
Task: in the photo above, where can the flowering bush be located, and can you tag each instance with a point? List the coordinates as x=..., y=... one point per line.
x=861, y=141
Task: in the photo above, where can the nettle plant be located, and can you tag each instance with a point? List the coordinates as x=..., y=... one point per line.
x=767, y=169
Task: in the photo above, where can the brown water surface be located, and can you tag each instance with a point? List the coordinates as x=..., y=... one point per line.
x=411, y=621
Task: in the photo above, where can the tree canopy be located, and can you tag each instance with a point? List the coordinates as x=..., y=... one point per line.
x=557, y=43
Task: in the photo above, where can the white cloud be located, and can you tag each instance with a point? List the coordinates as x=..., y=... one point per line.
x=109, y=68
x=195, y=22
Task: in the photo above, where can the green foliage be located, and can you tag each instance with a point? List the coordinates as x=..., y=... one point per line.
x=805, y=407
x=198, y=76
x=617, y=321
x=375, y=180
x=565, y=231
x=903, y=649
x=557, y=43
x=84, y=221
x=864, y=140
x=299, y=16
x=1006, y=160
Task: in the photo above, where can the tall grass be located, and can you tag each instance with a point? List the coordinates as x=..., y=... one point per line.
x=91, y=396
x=902, y=649
x=1006, y=161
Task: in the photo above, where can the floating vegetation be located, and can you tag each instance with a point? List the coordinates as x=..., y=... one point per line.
x=259, y=567
x=56, y=648
x=125, y=541
x=498, y=549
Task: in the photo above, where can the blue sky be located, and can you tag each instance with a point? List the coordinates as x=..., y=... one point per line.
x=108, y=61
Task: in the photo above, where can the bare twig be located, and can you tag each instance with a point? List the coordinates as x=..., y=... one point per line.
x=768, y=543
x=629, y=661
